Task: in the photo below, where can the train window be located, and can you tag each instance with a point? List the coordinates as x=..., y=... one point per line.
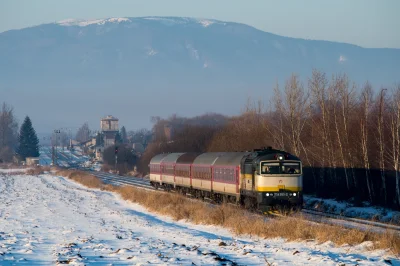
x=290, y=168
x=280, y=168
x=269, y=168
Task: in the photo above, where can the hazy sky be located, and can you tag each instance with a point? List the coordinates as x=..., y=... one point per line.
x=368, y=23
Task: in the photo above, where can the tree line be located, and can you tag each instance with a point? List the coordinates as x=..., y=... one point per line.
x=348, y=136
x=14, y=144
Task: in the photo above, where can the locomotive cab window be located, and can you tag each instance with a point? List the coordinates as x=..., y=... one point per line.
x=291, y=168
x=269, y=168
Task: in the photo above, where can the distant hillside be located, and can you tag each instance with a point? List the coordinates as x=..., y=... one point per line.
x=133, y=67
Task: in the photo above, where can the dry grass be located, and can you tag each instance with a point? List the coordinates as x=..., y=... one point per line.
x=11, y=166
x=82, y=178
x=238, y=220
x=38, y=170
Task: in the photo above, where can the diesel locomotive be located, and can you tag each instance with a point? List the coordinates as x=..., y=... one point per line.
x=261, y=179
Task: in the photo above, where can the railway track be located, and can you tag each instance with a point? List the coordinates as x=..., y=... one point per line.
x=367, y=223
x=316, y=216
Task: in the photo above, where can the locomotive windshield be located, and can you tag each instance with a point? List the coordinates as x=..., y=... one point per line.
x=291, y=168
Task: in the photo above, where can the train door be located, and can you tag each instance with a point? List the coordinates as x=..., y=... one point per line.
x=253, y=179
x=247, y=181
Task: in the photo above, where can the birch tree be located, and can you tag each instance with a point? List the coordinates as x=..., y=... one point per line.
x=381, y=142
x=318, y=86
x=366, y=99
x=343, y=102
x=295, y=111
x=394, y=125
x=278, y=133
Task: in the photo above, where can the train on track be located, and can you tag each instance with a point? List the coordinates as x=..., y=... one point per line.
x=262, y=179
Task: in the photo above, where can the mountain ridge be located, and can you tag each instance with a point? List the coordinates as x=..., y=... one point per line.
x=196, y=64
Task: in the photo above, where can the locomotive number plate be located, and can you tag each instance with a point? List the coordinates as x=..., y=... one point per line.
x=281, y=194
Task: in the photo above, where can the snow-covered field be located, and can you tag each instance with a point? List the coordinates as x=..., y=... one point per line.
x=13, y=171
x=45, y=220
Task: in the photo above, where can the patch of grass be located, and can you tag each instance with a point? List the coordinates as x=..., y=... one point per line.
x=82, y=178
x=239, y=220
x=36, y=170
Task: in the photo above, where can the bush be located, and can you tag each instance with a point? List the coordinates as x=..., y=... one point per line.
x=35, y=171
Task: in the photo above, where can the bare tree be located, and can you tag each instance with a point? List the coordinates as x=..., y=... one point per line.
x=8, y=132
x=278, y=130
x=366, y=99
x=394, y=125
x=381, y=142
x=63, y=139
x=295, y=111
x=342, y=100
x=347, y=96
x=83, y=133
x=318, y=87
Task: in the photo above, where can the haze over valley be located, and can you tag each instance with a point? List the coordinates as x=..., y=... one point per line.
x=82, y=70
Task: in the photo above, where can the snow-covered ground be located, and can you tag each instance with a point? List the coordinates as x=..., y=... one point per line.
x=46, y=219
x=347, y=209
x=13, y=171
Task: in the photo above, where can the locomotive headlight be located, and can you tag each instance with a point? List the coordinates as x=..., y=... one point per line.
x=267, y=194
x=294, y=194
x=280, y=157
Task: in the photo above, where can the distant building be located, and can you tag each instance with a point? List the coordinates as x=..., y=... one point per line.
x=89, y=143
x=32, y=160
x=109, y=128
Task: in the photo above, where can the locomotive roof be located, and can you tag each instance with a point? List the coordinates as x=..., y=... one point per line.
x=269, y=154
x=231, y=158
x=158, y=158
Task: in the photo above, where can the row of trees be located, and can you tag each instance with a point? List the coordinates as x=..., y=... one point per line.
x=83, y=134
x=23, y=143
x=347, y=136
x=343, y=133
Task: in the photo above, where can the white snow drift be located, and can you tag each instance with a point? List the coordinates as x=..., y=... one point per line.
x=48, y=220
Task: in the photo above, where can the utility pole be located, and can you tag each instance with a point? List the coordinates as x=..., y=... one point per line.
x=56, y=131
x=52, y=153
x=116, y=158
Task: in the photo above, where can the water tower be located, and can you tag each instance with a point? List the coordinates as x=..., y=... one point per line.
x=109, y=128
